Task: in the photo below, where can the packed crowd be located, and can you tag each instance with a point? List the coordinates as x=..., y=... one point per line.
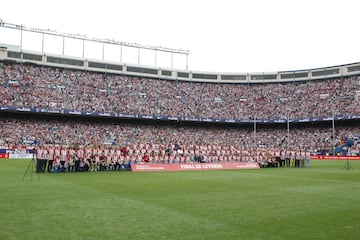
x=69, y=133
x=56, y=88
x=94, y=134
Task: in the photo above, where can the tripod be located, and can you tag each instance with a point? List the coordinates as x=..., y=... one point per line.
x=31, y=168
x=348, y=165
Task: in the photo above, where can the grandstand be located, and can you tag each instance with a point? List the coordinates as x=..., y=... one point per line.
x=70, y=102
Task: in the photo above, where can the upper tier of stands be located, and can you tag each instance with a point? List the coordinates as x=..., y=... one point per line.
x=25, y=85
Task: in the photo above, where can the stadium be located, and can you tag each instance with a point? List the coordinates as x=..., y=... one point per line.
x=79, y=128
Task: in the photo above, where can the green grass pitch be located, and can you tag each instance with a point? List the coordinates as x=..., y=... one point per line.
x=322, y=202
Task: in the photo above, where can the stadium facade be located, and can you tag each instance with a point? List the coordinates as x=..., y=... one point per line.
x=335, y=102
x=13, y=53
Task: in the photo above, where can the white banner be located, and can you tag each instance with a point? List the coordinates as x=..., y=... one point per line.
x=17, y=155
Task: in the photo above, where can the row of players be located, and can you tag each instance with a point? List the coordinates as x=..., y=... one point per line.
x=94, y=159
